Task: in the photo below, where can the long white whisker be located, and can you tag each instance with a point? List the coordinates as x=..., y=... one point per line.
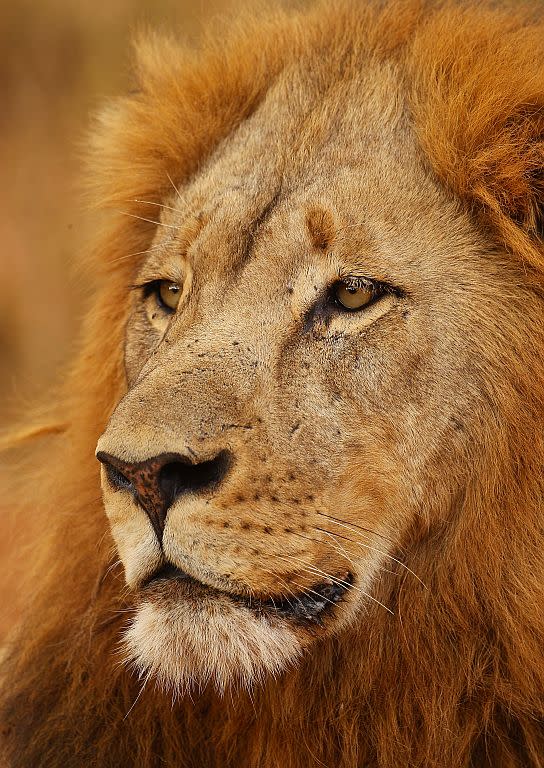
x=139, y=253
x=375, y=549
x=139, y=694
x=357, y=543
x=341, y=582
x=339, y=547
x=150, y=221
x=112, y=566
x=304, y=589
x=284, y=584
x=368, y=531
x=151, y=202
x=342, y=552
x=307, y=589
x=175, y=187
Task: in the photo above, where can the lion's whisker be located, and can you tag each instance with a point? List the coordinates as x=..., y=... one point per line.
x=138, y=253
x=101, y=540
x=339, y=547
x=354, y=525
x=342, y=552
x=111, y=567
x=174, y=186
x=283, y=583
x=149, y=221
x=341, y=582
x=148, y=675
x=357, y=543
x=151, y=202
x=374, y=549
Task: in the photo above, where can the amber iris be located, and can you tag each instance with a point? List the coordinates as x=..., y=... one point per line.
x=353, y=297
x=169, y=294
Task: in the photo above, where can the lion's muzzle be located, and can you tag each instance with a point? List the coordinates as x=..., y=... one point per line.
x=159, y=481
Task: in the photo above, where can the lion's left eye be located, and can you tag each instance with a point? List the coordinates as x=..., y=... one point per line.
x=355, y=295
x=168, y=294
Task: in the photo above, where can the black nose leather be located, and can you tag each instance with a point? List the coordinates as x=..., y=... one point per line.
x=157, y=482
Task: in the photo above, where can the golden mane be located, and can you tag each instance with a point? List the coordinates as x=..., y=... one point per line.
x=458, y=678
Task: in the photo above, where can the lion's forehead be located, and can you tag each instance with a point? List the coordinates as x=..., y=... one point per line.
x=349, y=151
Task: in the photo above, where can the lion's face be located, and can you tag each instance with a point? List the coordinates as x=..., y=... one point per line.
x=302, y=365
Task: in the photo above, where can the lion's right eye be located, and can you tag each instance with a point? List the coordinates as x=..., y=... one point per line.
x=169, y=294
x=353, y=297
x=166, y=292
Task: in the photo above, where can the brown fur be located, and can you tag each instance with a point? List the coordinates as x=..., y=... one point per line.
x=448, y=470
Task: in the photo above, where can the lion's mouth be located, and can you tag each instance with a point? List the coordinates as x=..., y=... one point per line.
x=310, y=605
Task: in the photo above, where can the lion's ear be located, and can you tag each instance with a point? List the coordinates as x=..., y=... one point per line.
x=479, y=108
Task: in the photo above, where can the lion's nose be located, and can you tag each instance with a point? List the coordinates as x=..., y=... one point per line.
x=157, y=482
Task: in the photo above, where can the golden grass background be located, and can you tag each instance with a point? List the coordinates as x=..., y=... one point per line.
x=61, y=59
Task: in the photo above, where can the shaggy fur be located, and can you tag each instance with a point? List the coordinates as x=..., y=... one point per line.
x=449, y=100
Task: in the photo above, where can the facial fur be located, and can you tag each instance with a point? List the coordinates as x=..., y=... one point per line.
x=344, y=429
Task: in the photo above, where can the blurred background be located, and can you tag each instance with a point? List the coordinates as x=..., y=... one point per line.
x=60, y=60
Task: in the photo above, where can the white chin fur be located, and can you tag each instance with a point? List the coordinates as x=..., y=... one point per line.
x=185, y=646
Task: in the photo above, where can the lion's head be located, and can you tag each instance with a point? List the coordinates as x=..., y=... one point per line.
x=319, y=339
x=308, y=351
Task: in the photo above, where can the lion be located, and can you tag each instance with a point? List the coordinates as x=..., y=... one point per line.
x=313, y=376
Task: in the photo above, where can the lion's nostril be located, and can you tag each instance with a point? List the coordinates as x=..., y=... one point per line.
x=179, y=477
x=157, y=482
x=117, y=479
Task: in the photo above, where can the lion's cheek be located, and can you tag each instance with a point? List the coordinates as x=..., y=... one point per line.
x=134, y=538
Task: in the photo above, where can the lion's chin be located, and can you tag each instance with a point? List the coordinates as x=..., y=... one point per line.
x=184, y=638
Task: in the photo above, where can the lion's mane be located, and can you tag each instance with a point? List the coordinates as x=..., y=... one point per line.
x=458, y=678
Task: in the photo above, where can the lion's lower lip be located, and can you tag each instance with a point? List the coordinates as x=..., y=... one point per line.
x=309, y=605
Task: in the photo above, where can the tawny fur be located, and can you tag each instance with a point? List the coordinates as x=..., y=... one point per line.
x=456, y=676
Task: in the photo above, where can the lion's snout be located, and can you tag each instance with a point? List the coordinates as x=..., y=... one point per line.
x=159, y=481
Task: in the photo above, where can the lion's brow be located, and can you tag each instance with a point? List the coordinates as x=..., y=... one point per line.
x=257, y=225
x=319, y=223
x=321, y=227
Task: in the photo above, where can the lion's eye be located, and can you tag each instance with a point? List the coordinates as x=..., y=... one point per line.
x=356, y=295
x=168, y=294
